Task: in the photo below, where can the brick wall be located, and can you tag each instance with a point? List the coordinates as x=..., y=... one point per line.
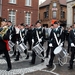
x=20, y=7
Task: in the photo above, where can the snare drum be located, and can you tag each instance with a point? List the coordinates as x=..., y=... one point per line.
x=38, y=49
x=11, y=44
x=22, y=47
x=60, y=51
x=62, y=55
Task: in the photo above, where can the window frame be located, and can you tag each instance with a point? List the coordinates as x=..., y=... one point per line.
x=12, y=2
x=11, y=15
x=54, y=6
x=27, y=17
x=54, y=14
x=28, y=2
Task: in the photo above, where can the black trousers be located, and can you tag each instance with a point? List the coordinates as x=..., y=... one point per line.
x=30, y=43
x=72, y=56
x=34, y=55
x=52, y=56
x=7, y=58
x=48, y=50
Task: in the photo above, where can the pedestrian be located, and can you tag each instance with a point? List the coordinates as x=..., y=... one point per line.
x=48, y=47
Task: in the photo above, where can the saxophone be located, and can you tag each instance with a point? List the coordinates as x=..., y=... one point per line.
x=3, y=32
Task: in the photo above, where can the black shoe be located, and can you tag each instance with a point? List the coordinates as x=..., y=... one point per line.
x=27, y=57
x=70, y=68
x=42, y=60
x=49, y=66
x=8, y=69
x=16, y=59
x=32, y=63
x=13, y=55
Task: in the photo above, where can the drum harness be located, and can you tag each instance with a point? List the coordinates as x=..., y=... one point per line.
x=21, y=46
x=38, y=48
x=60, y=61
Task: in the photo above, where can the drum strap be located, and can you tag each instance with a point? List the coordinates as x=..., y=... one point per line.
x=21, y=35
x=58, y=42
x=37, y=35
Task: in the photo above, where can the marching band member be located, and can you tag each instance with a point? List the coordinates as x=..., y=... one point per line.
x=40, y=34
x=22, y=36
x=72, y=43
x=56, y=38
x=48, y=47
x=12, y=36
x=29, y=37
x=4, y=44
x=17, y=39
x=67, y=38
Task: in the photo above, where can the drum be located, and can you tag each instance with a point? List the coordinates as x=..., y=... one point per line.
x=62, y=52
x=11, y=44
x=38, y=49
x=62, y=55
x=21, y=47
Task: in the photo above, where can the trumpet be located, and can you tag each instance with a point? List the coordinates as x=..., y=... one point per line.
x=3, y=32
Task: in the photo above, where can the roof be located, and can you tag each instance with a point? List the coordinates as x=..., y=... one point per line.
x=47, y=2
x=63, y=2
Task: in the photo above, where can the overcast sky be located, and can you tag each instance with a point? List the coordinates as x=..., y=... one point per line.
x=40, y=1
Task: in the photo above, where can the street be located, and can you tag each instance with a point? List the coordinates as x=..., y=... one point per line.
x=23, y=67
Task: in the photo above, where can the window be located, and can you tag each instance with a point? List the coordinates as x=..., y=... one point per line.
x=12, y=16
x=0, y=1
x=54, y=14
x=46, y=14
x=62, y=14
x=54, y=5
x=12, y=1
x=28, y=18
x=47, y=8
x=28, y=3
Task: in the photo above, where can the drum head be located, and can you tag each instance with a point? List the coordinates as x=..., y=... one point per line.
x=57, y=50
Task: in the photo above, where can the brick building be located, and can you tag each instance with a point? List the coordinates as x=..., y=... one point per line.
x=51, y=10
x=19, y=11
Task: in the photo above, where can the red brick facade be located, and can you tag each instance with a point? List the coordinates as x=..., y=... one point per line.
x=47, y=6
x=20, y=9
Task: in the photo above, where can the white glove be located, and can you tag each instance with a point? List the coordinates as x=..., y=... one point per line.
x=10, y=37
x=40, y=40
x=50, y=45
x=32, y=40
x=22, y=39
x=61, y=44
x=17, y=42
x=72, y=45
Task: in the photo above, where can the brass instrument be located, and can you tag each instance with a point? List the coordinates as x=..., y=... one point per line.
x=3, y=32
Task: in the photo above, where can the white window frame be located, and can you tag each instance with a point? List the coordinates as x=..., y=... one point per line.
x=54, y=4
x=12, y=1
x=54, y=14
x=12, y=15
x=28, y=2
x=27, y=18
